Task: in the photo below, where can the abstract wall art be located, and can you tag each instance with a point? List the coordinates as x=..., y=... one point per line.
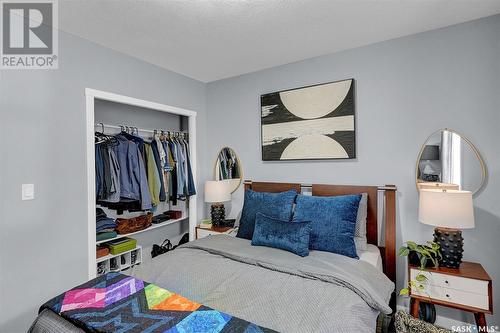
x=309, y=123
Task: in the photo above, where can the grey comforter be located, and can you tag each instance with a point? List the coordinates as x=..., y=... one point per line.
x=323, y=292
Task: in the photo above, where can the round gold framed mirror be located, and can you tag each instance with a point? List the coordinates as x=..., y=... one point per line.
x=228, y=167
x=448, y=160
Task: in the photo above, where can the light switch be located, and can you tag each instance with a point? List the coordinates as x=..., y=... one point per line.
x=28, y=191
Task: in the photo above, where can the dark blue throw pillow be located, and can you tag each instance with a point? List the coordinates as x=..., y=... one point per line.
x=333, y=221
x=277, y=205
x=292, y=237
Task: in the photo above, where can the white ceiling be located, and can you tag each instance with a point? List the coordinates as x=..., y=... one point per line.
x=213, y=39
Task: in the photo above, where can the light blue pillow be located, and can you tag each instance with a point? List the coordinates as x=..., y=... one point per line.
x=292, y=237
x=277, y=205
x=333, y=222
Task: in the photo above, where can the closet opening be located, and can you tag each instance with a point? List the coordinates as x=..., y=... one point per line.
x=131, y=143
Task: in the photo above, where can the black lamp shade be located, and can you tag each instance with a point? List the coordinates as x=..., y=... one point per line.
x=431, y=152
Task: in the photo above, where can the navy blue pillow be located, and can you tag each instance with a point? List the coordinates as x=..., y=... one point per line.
x=333, y=222
x=277, y=205
x=292, y=237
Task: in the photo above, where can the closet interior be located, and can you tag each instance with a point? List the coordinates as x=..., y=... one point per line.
x=144, y=180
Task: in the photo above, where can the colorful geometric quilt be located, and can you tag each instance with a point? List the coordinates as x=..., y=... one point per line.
x=122, y=304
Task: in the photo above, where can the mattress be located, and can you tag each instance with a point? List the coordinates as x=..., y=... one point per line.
x=372, y=256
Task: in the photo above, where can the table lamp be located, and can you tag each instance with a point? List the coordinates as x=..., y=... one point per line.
x=216, y=192
x=450, y=211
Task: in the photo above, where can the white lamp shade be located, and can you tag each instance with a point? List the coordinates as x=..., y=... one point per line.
x=217, y=191
x=446, y=209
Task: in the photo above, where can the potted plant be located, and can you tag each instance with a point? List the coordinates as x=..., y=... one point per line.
x=422, y=255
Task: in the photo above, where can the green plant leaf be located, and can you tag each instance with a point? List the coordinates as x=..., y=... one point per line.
x=435, y=262
x=412, y=245
x=433, y=245
x=421, y=277
x=403, y=251
x=420, y=287
x=423, y=262
x=404, y=292
x=425, y=252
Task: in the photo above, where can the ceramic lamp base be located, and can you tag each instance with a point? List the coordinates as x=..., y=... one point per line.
x=451, y=243
x=218, y=214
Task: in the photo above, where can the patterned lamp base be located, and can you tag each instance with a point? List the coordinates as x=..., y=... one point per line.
x=218, y=214
x=451, y=243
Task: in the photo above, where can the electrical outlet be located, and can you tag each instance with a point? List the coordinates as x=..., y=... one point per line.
x=28, y=191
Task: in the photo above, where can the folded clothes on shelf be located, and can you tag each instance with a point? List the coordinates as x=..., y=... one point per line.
x=105, y=225
x=100, y=236
x=103, y=222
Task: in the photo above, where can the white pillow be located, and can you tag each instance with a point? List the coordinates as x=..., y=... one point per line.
x=360, y=232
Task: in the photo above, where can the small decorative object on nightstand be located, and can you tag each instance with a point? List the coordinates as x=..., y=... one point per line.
x=216, y=192
x=449, y=211
x=204, y=232
x=466, y=288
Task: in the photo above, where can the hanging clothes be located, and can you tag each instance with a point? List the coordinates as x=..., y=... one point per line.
x=114, y=195
x=181, y=177
x=190, y=186
x=133, y=174
x=133, y=178
x=157, y=163
x=166, y=167
x=153, y=176
x=173, y=191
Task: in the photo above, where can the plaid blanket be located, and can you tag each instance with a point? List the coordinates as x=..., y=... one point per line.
x=119, y=303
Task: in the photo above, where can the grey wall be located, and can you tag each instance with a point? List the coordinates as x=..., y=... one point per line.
x=43, y=247
x=405, y=89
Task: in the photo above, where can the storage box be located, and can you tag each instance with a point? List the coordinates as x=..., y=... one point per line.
x=121, y=245
x=174, y=214
x=102, y=251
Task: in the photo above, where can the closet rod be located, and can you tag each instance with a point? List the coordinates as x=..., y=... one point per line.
x=138, y=129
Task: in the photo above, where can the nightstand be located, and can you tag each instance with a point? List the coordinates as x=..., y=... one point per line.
x=204, y=232
x=467, y=288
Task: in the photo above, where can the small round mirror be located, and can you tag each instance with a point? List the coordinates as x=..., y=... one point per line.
x=449, y=160
x=228, y=167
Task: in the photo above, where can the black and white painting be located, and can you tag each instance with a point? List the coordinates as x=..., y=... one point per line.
x=315, y=122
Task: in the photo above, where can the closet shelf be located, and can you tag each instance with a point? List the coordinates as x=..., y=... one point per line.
x=154, y=226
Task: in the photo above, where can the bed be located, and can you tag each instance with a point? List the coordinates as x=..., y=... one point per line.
x=323, y=292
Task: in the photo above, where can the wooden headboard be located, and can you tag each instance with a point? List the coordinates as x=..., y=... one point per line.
x=388, y=251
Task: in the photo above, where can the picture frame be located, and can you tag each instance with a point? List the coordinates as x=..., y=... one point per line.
x=315, y=122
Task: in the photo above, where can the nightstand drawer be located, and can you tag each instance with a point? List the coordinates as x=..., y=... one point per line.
x=206, y=232
x=202, y=232
x=454, y=296
x=479, y=287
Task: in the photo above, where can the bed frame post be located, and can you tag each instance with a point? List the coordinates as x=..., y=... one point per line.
x=390, y=238
x=390, y=231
